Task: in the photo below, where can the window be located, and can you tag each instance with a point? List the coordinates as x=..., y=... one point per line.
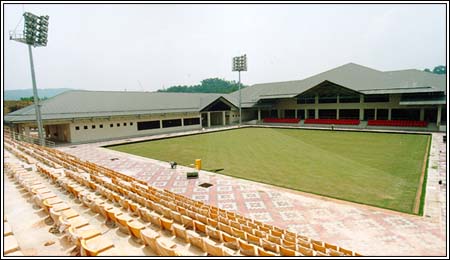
x=148, y=125
x=265, y=114
x=274, y=113
x=306, y=100
x=427, y=96
x=311, y=113
x=326, y=99
x=289, y=113
x=382, y=114
x=301, y=113
x=430, y=114
x=124, y=124
x=77, y=128
x=101, y=126
x=348, y=113
x=191, y=121
x=327, y=113
x=85, y=127
x=349, y=99
x=93, y=126
x=131, y=123
x=118, y=124
x=376, y=98
x=369, y=114
x=405, y=114
x=171, y=123
x=111, y=125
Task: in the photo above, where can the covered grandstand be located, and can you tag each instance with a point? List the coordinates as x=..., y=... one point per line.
x=350, y=95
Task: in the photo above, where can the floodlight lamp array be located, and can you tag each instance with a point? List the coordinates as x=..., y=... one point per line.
x=240, y=63
x=36, y=29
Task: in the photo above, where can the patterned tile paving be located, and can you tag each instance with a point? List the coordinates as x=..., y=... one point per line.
x=367, y=230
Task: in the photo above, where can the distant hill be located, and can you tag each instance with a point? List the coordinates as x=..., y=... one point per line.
x=16, y=94
x=213, y=85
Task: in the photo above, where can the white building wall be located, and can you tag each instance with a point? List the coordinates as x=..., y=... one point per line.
x=123, y=131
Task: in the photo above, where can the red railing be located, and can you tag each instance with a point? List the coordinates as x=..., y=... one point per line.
x=282, y=120
x=411, y=123
x=332, y=121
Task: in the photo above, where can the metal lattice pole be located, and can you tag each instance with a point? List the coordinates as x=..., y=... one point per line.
x=37, y=106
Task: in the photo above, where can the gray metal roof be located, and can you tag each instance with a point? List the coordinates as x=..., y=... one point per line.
x=87, y=104
x=352, y=76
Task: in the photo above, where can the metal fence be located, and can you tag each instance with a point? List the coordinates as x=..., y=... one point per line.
x=29, y=139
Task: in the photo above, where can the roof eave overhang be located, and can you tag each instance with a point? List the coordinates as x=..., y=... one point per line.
x=221, y=98
x=328, y=82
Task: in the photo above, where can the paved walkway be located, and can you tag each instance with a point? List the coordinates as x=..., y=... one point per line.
x=367, y=230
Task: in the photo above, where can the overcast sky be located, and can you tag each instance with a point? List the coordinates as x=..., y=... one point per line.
x=146, y=47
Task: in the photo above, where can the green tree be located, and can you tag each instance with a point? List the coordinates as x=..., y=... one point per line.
x=212, y=85
x=440, y=70
x=31, y=98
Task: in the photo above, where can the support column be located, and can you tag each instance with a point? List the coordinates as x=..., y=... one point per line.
x=223, y=118
x=259, y=114
x=337, y=113
x=295, y=113
x=26, y=131
x=182, y=122
x=361, y=114
x=389, y=114
x=209, y=119
x=279, y=113
x=316, y=113
x=375, y=116
x=438, y=121
x=422, y=114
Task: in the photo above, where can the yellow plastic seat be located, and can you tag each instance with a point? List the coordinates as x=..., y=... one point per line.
x=319, y=248
x=123, y=219
x=214, y=233
x=269, y=246
x=179, y=231
x=262, y=252
x=199, y=227
x=195, y=239
x=254, y=239
x=84, y=233
x=230, y=241
x=135, y=228
x=305, y=251
x=247, y=249
x=187, y=222
x=149, y=237
x=166, y=250
x=95, y=245
x=70, y=213
x=287, y=252
x=212, y=249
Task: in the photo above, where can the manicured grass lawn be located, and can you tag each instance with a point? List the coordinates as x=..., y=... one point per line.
x=371, y=168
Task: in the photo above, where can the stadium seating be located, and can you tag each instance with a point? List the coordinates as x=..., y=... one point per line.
x=118, y=197
x=282, y=120
x=400, y=123
x=332, y=121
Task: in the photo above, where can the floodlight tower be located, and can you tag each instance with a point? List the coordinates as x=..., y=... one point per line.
x=240, y=64
x=34, y=34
